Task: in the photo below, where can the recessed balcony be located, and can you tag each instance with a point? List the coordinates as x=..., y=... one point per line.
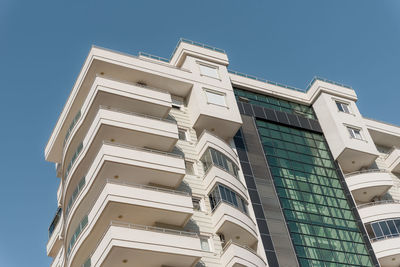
x=234, y=224
x=380, y=210
x=235, y=255
x=55, y=240
x=143, y=166
x=387, y=251
x=393, y=160
x=143, y=246
x=129, y=97
x=368, y=184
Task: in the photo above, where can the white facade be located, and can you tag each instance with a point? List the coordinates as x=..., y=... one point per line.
x=128, y=147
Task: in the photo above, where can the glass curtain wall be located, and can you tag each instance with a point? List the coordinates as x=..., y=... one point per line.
x=319, y=218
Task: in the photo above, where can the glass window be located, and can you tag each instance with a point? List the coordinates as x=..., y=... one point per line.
x=189, y=166
x=215, y=98
x=214, y=157
x=182, y=134
x=355, y=133
x=205, y=245
x=209, y=71
x=222, y=193
x=196, y=203
x=343, y=107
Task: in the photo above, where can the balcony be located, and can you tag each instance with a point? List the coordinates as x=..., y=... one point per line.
x=120, y=95
x=380, y=210
x=365, y=185
x=234, y=224
x=393, y=160
x=55, y=240
x=143, y=246
x=127, y=127
x=121, y=198
x=139, y=165
x=208, y=139
x=235, y=255
x=216, y=175
x=387, y=251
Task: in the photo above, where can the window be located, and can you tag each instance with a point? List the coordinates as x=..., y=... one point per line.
x=213, y=157
x=355, y=133
x=196, y=203
x=205, y=245
x=182, y=134
x=215, y=98
x=225, y=194
x=189, y=166
x=177, y=102
x=209, y=71
x=343, y=107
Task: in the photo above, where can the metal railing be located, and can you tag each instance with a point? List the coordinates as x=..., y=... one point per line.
x=153, y=229
x=266, y=81
x=230, y=242
x=136, y=114
x=163, y=59
x=375, y=239
x=327, y=81
x=376, y=203
x=142, y=227
x=365, y=171
x=71, y=126
x=148, y=187
x=183, y=40
x=142, y=149
x=316, y=78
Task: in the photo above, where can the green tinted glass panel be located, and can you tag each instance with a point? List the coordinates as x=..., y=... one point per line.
x=276, y=104
x=320, y=220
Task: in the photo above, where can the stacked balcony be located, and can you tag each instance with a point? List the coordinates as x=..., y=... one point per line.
x=230, y=215
x=119, y=163
x=235, y=255
x=393, y=160
x=369, y=184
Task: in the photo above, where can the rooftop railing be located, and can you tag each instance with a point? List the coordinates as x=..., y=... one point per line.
x=154, y=57
x=316, y=78
x=266, y=81
x=376, y=203
x=183, y=40
x=366, y=171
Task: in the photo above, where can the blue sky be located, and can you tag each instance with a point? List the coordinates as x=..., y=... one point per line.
x=43, y=45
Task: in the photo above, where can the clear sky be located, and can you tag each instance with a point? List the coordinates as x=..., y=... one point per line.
x=43, y=45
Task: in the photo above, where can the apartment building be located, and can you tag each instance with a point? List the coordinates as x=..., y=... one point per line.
x=181, y=162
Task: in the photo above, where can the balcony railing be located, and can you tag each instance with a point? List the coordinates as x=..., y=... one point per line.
x=137, y=114
x=153, y=57
x=365, y=171
x=55, y=221
x=71, y=126
x=74, y=157
x=143, y=149
x=138, y=227
x=376, y=203
x=375, y=239
x=74, y=195
x=226, y=246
